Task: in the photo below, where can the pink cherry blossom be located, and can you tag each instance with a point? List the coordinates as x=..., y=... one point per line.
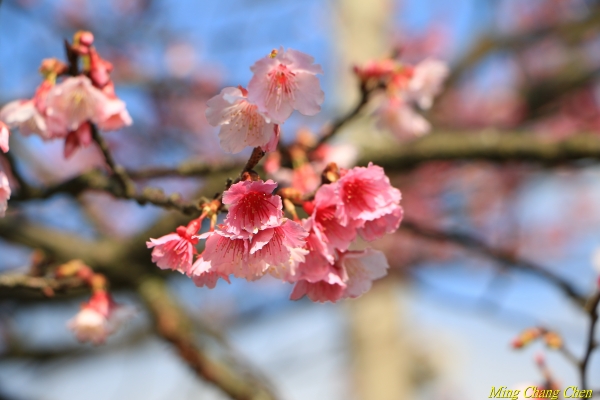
x=4, y=193
x=365, y=193
x=252, y=207
x=99, y=318
x=279, y=249
x=325, y=222
x=331, y=288
x=361, y=269
x=317, y=263
x=176, y=250
x=285, y=81
x=228, y=254
x=241, y=123
x=395, y=115
x=4, y=134
x=23, y=114
x=389, y=223
x=203, y=274
x=75, y=101
x=426, y=83
x=82, y=137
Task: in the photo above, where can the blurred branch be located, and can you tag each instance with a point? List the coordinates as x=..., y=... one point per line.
x=11, y=284
x=485, y=145
x=175, y=327
x=337, y=125
x=570, y=32
x=592, y=309
x=503, y=257
x=189, y=168
x=122, y=177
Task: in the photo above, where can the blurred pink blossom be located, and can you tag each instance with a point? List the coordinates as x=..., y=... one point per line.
x=4, y=193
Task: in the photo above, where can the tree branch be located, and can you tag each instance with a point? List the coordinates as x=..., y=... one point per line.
x=175, y=327
x=592, y=309
x=503, y=257
x=493, y=146
x=33, y=286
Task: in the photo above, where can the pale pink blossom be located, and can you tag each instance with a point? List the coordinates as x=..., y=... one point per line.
x=176, y=250
x=350, y=276
x=361, y=269
x=4, y=193
x=395, y=115
x=99, y=318
x=331, y=288
x=285, y=81
x=24, y=115
x=76, y=101
x=389, y=223
x=365, y=193
x=241, y=123
x=203, y=274
x=426, y=82
x=4, y=135
x=252, y=206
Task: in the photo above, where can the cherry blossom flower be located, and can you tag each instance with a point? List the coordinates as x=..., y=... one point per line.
x=330, y=288
x=176, y=250
x=389, y=223
x=350, y=276
x=325, y=222
x=4, y=193
x=228, y=254
x=365, y=193
x=361, y=269
x=82, y=137
x=377, y=69
x=203, y=274
x=395, y=115
x=285, y=81
x=280, y=249
x=99, y=318
x=252, y=206
x=427, y=79
x=4, y=134
x=29, y=115
x=76, y=101
x=241, y=123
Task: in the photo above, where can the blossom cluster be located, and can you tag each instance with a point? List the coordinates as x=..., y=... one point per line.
x=317, y=253
x=407, y=88
x=283, y=81
x=65, y=109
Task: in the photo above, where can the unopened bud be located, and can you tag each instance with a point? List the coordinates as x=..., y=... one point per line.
x=250, y=176
x=273, y=53
x=331, y=173
x=526, y=337
x=553, y=340
x=52, y=67
x=85, y=38
x=290, y=193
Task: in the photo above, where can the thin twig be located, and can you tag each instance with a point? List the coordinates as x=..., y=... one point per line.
x=173, y=325
x=592, y=309
x=119, y=171
x=35, y=285
x=338, y=124
x=501, y=256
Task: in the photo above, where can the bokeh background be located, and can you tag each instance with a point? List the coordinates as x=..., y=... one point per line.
x=444, y=319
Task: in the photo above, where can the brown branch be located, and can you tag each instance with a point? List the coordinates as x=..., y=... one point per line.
x=187, y=169
x=493, y=146
x=120, y=173
x=33, y=286
x=174, y=326
x=338, y=124
x=592, y=310
x=503, y=257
